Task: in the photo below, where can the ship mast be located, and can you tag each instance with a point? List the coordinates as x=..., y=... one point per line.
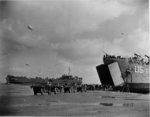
x=69, y=71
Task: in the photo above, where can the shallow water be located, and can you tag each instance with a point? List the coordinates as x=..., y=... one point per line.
x=14, y=90
x=118, y=104
x=47, y=104
x=19, y=100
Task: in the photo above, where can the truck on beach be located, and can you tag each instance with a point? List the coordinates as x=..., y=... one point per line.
x=63, y=84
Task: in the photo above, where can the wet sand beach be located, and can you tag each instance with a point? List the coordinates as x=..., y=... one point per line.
x=91, y=103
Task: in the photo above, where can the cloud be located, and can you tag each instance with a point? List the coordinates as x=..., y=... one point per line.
x=138, y=41
x=60, y=21
x=33, y=41
x=19, y=70
x=144, y=21
x=87, y=52
x=135, y=3
x=64, y=19
x=75, y=48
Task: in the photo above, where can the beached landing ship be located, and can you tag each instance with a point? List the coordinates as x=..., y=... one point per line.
x=24, y=80
x=129, y=72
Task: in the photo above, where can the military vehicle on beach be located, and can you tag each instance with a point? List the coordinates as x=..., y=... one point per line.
x=63, y=84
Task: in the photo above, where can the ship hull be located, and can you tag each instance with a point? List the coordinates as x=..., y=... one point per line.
x=139, y=87
x=19, y=82
x=23, y=81
x=135, y=75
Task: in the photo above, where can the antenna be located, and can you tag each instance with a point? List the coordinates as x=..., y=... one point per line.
x=69, y=70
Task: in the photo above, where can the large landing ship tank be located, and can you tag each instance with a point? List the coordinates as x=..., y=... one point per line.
x=10, y=79
x=130, y=71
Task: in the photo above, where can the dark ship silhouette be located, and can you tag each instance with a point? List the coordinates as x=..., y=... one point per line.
x=11, y=79
x=129, y=73
x=62, y=80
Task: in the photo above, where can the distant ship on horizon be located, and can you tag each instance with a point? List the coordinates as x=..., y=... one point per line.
x=134, y=72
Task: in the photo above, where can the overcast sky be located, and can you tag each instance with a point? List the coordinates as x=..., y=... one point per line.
x=69, y=33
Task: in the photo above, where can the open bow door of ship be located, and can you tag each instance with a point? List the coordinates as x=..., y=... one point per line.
x=104, y=75
x=115, y=74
